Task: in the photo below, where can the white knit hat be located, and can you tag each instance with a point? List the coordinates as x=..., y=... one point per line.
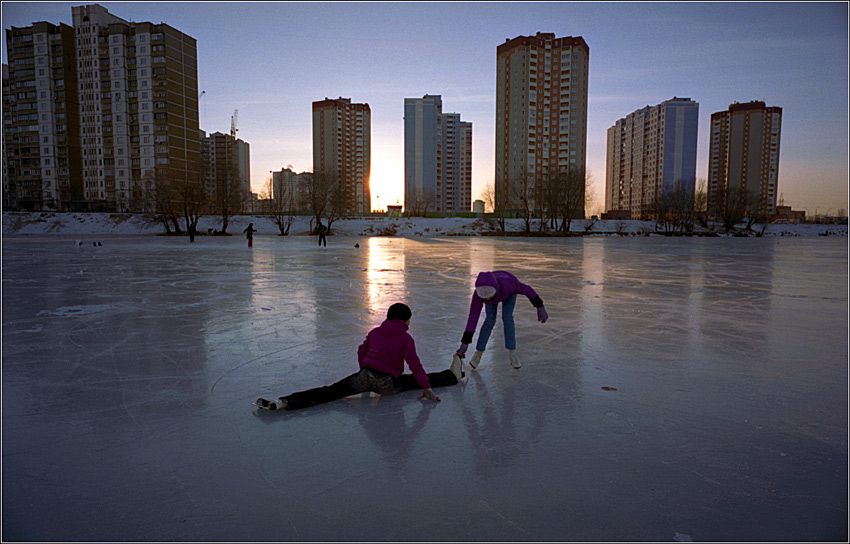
x=485, y=291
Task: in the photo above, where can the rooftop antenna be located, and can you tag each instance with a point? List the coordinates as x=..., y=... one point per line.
x=233, y=128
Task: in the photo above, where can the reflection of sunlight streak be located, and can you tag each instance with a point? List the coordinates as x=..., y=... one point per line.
x=590, y=296
x=385, y=273
x=480, y=259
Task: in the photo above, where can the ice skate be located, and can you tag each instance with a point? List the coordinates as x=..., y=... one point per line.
x=476, y=358
x=279, y=404
x=514, y=359
x=457, y=367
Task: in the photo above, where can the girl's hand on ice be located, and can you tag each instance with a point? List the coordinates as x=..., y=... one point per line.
x=429, y=394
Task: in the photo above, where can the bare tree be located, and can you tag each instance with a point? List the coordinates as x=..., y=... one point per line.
x=496, y=202
x=317, y=192
x=230, y=199
x=521, y=193
x=192, y=201
x=701, y=203
x=733, y=209
x=165, y=196
x=569, y=195
x=282, y=206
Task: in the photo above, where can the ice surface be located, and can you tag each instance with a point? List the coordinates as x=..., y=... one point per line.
x=683, y=389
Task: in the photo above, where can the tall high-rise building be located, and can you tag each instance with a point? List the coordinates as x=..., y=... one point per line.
x=41, y=119
x=651, y=152
x=116, y=102
x=541, y=112
x=744, y=157
x=342, y=150
x=227, y=168
x=437, y=157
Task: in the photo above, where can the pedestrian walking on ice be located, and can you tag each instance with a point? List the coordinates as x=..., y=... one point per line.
x=491, y=288
x=381, y=356
x=321, y=230
x=250, y=230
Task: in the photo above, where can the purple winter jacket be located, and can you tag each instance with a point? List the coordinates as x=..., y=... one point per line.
x=387, y=347
x=506, y=284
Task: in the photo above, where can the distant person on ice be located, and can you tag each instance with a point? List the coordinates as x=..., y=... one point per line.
x=250, y=230
x=491, y=288
x=321, y=230
x=381, y=357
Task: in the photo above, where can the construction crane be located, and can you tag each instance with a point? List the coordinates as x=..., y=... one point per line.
x=233, y=128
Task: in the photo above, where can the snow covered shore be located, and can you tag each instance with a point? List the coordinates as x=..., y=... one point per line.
x=80, y=224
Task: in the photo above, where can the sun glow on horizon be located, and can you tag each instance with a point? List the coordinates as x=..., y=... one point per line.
x=386, y=184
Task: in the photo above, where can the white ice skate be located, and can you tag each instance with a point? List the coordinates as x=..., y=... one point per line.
x=278, y=404
x=514, y=360
x=476, y=358
x=457, y=367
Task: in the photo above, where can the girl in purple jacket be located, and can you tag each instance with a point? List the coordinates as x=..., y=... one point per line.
x=491, y=288
x=381, y=357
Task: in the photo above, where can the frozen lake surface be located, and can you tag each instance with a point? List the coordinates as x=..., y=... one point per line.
x=683, y=389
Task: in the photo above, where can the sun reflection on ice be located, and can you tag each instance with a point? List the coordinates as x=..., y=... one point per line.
x=385, y=274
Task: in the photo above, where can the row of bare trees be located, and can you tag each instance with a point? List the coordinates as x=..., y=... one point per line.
x=678, y=211
x=322, y=195
x=182, y=197
x=554, y=199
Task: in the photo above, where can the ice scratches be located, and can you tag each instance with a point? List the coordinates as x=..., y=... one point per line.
x=282, y=493
x=77, y=311
x=487, y=506
x=254, y=360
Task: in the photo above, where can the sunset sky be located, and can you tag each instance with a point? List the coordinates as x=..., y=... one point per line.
x=271, y=60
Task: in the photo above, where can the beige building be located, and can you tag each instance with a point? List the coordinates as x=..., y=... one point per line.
x=342, y=149
x=138, y=85
x=541, y=111
x=744, y=156
x=227, y=170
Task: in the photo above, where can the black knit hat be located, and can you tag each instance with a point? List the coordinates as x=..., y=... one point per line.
x=399, y=311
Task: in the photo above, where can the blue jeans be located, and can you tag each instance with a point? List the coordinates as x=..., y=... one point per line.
x=490, y=321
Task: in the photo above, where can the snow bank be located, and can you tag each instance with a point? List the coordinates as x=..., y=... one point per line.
x=26, y=223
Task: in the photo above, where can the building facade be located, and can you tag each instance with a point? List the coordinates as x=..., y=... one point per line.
x=651, y=152
x=227, y=170
x=342, y=150
x=41, y=120
x=118, y=99
x=437, y=157
x=744, y=157
x=288, y=188
x=541, y=113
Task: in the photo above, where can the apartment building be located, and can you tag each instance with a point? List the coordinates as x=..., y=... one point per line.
x=651, y=152
x=42, y=164
x=342, y=150
x=437, y=157
x=118, y=98
x=744, y=156
x=288, y=187
x=541, y=113
x=227, y=169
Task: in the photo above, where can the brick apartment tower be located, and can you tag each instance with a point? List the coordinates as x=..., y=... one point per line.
x=342, y=149
x=541, y=111
x=111, y=102
x=437, y=157
x=744, y=155
x=651, y=152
